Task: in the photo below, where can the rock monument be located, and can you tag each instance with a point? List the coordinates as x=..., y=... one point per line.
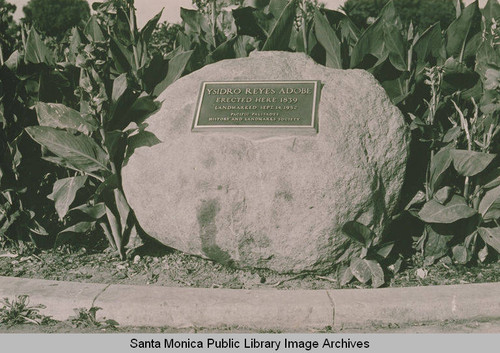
x=270, y=198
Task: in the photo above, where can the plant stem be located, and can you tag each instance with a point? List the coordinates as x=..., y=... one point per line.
x=304, y=28
x=214, y=19
x=133, y=29
x=466, y=188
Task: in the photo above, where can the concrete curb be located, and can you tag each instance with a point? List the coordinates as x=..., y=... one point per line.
x=363, y=307
x=263, y=309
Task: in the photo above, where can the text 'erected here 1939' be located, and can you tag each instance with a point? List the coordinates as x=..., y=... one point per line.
x=257, y=105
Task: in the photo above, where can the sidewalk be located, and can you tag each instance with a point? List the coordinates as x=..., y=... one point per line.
x=263, y=309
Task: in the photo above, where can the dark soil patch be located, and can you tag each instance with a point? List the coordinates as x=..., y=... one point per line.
x=166, y=267
x=448, y=326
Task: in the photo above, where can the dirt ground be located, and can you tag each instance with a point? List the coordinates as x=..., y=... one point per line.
x=167, y=267
x=469, y=326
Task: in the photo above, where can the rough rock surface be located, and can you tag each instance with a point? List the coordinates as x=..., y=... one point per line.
x=267, y=201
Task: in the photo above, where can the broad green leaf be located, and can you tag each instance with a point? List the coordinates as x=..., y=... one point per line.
x=454, y=210
x=436, y=243
x=116, y=143
x=123, y=59
x=334, y=17
x=429, y=46
x=60, y=161
x=372, y=40
x=247, y=23
x=491, y=236
x=12, y=63
x=347, y=276
x=483, y=254
x=142, y=109
x=396, y=46
x=418, y=199
x=359, y=232
x=36, y=227
x=77, y=39
x=123, y=29
x=94, y=211
x=124, y=212
x=141, y=139
x=370, y=43
x=439, y=164
x=377, y=273
x=149, y=27
x=64, y=192
x=462, y=30
x=276, y=7
x=59, y=116
x=328, y=39
x=460, y=254
x=176, y=67
x=110, y=183
x=443, y=195
x=350, y=33
x=397, y=89
x=154, y=72
x=93, y=30
x=123, y=97
x=120, y=85
x=490, y=197
x=279, y=37
x=470, y=163
x=360, y=270
x=472, y=46
x=493, y=212
x=191, y=20
x=10, y=220
x=385, y=249
x=470, y=243
x=80, y=227
x=224, y=51
x=115, y=227
x=452, y=134
x=80, y=150
x=36, y=52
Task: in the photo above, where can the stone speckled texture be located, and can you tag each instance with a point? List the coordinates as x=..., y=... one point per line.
x=269, y=200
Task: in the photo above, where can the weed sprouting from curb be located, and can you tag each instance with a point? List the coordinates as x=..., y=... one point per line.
x=18, y=311
x=87, y=318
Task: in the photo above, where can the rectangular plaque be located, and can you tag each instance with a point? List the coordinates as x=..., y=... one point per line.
x=256, y=105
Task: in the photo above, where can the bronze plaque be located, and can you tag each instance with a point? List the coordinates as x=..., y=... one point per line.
x=247, y=105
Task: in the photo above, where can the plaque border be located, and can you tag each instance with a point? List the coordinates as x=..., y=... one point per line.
x=314, y=113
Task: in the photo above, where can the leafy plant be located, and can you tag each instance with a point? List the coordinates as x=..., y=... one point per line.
x=23, y=175
x=87, y=318
x=365, y=265
x=460, y=205
x=18, y=311
x=114, y=98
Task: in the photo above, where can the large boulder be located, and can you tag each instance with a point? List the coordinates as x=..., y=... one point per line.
x=268, y=200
